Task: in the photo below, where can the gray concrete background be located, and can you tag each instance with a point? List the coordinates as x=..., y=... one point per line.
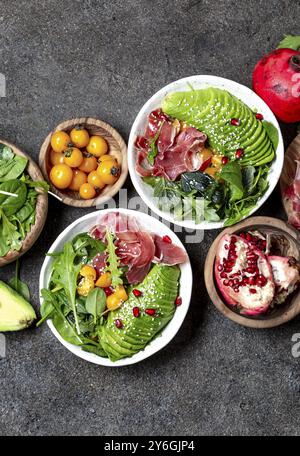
x=64, y=59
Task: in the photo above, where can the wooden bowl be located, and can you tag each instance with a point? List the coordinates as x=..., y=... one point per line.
x=117, y=148
x=288, y=173
x=41, y=208
x=282, y=313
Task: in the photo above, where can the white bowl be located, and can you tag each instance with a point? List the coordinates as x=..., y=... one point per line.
x=83, y=224
x=200, y=82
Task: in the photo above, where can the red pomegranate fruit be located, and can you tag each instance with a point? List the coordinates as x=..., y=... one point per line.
x=244, y=275
x=276, y=79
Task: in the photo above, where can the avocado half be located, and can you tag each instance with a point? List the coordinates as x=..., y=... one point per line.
x=15, y=312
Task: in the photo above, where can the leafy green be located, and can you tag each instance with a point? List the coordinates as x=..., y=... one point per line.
x=87, y=247
x=9, y=235
x=272, y=133
x=17, y=284
x=11, y=204
x=196, y=181
x=96, y=303
x=153, y=148
x=113, y=262
x=66, y=273
x=290, y=41
x=231, y=173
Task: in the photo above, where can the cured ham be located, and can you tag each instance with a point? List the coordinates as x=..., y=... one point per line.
x=167, y=253
x=136, y=248
x=177, y=152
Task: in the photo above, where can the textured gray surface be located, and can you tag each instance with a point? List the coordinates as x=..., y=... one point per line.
x=105, y=59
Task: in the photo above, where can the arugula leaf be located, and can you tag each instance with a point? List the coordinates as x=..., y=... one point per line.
x=96, y=303
x=231, y=173
x=210, y=213
x=290, y=41
x=272, y=133
x=66, y=273
x=113, y=263
x=153, y=147
x=87, y=247
x=18, y=285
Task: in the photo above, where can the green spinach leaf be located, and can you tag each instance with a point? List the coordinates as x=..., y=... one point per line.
x=96, y=303
x=17, y=284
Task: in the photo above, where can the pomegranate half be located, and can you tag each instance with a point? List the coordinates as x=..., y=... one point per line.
x=244, y=275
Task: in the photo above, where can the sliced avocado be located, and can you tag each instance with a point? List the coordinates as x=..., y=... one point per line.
x=159, y=290
x=15, y=312
x=211, y=110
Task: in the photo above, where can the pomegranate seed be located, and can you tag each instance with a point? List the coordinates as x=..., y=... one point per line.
x=239, y=153
x=264, y=245
x=167, y=239
x=235, y=122
x=233, y=239
x=243, y=235
x=226, y=247
x=252, y=290
x=137, y=293
x=119, y=323
x=254, y=239
x=236, y=281
x=259, y=116
x=136, y=312
x=230, y=283
x=178, y=301
x=150, y=312
x=223, y=275
x=220, y=268
x=225, y=160
x=251, y=281
x=236, y=289
x=228, y=269
x=248, y=237
x=226, y=283
x=250, y=270
x=108, y=291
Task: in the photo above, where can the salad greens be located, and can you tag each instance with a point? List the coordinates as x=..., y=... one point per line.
x=230, y=198
x=18, y=197
x=76, y=318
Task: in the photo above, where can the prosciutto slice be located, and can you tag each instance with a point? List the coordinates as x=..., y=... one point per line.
x=177, y=151
x=296, y=183
x=166, y=253
x=136, y=248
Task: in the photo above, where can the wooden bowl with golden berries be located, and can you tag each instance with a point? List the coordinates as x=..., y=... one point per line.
x=81, y=151
x=278, y=245
x=41, y=208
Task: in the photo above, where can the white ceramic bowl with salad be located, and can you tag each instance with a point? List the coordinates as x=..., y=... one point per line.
x=128, y=322
x=240, y=131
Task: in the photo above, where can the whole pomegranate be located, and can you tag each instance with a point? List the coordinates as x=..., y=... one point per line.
x=276, y=79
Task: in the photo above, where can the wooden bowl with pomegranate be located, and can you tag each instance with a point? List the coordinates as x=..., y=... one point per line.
x=259, y=267
x=116, y=148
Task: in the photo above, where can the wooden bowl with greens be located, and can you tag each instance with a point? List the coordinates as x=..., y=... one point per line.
x=23, y=202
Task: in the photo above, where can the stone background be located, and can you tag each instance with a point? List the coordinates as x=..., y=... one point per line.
x=65, y=59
